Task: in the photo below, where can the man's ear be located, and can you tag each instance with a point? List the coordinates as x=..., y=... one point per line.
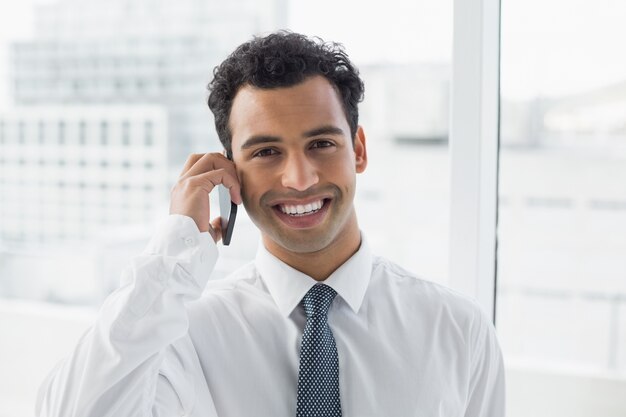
x=360, y=150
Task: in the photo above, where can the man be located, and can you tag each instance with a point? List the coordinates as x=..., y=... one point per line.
x=316, y=325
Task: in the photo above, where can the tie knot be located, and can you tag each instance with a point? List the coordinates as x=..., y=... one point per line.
x=317, y=300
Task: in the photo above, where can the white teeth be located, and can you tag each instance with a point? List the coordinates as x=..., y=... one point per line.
x=299, y=210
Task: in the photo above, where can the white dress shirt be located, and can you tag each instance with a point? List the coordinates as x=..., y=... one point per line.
x=162, y=347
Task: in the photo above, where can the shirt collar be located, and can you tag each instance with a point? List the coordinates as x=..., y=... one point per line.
x=287, y=285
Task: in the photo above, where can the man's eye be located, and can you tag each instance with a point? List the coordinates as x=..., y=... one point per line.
x=322, y=144
x=264, y=152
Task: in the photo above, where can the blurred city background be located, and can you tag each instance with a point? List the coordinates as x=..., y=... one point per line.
x=101, y=102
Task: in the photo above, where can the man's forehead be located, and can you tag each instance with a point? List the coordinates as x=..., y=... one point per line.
x=313, y=102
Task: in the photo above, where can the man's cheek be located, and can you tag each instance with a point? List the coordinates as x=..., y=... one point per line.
x=251, y=201
x=243, y=184
x=247, y=200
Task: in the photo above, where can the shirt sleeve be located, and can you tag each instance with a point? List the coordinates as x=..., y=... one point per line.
x=487, y=383
x=132, y=360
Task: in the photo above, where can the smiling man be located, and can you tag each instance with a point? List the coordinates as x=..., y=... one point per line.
x=296, y=155
x=316, y=325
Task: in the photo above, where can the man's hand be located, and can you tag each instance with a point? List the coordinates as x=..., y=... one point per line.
x=190, y=194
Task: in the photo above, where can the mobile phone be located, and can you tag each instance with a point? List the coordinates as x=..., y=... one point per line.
x=228, y=213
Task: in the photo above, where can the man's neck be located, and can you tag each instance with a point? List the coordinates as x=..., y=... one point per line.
x=320, y=264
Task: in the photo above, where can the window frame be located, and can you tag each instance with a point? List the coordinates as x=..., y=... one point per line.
x=474, y=146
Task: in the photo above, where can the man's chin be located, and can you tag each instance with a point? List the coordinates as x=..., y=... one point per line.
x=299, y=242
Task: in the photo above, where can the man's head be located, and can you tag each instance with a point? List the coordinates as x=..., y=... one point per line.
x=286, y=110
x=282, y=59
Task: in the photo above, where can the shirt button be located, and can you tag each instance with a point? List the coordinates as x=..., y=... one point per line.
x=190, y=241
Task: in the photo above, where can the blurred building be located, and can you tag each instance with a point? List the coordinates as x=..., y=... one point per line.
x=67, y=172
x=417, y=118
x=172, y=73
x=593, y=118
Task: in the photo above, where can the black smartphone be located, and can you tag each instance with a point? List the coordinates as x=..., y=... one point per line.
x=228, y=212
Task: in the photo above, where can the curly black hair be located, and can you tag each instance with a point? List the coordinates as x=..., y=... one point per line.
x=283, y=59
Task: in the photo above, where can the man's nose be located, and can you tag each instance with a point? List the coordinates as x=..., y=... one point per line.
x=299, y=173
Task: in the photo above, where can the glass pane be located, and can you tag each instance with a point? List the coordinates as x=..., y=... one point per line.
x=100, y=104
x=561, y=296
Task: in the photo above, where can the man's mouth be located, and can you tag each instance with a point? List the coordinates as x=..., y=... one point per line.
x=303, y=214
x=297, y=210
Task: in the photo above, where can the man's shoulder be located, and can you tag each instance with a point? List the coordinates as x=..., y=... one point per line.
x=406, y=287
x=233, y=280
x=241, y=283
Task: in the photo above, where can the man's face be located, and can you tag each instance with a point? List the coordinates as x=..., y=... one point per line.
x=297, y=164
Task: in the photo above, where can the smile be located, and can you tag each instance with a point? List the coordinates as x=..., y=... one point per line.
x=301, y=209
x=303, y=214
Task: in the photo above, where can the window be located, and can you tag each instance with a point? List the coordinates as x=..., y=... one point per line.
x=561, y=294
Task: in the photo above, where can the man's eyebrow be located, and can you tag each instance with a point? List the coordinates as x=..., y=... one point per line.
x=259, y=139
x=323, y=130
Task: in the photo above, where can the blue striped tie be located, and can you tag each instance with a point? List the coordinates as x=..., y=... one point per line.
x=318, y=381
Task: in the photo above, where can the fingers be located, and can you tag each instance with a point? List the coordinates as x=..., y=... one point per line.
x=189, y=196
x=208, y=180
x=216, y=168
x=191, y=159
x=199, y=163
